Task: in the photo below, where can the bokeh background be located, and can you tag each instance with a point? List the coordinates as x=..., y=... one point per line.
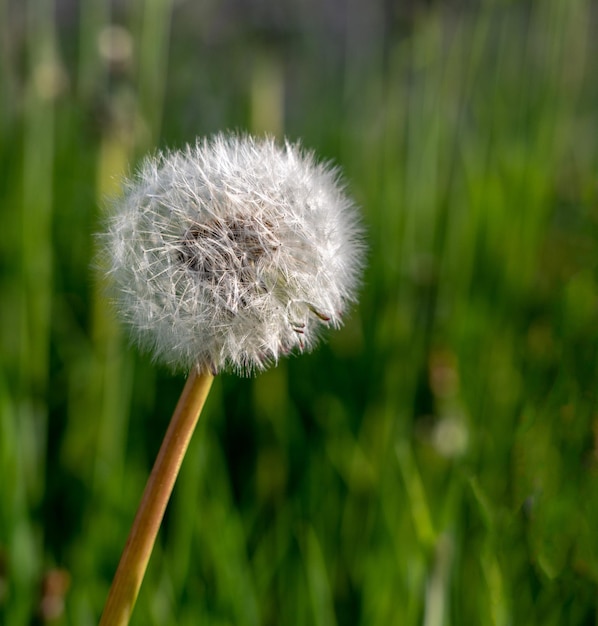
x=436, y=462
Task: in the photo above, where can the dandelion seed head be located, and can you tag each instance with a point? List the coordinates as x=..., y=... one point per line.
x=233, y=252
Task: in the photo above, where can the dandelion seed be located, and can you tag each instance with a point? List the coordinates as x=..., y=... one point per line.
x=220, y=252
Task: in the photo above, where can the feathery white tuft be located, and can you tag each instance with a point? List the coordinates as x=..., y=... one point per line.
x=233, y=252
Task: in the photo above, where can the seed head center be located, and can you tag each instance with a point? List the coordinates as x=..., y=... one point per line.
x=221, y=248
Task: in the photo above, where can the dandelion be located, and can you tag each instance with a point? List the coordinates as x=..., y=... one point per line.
x=232, y=253
x=224, y=256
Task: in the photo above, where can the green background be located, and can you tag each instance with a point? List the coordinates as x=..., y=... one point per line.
x=436, y=461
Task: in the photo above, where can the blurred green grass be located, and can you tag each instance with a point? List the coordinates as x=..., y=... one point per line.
x=436, y=462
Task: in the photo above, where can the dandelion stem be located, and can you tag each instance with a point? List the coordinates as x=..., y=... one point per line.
x=137, y=551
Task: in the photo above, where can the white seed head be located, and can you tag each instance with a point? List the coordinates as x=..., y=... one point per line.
x=232, y=252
